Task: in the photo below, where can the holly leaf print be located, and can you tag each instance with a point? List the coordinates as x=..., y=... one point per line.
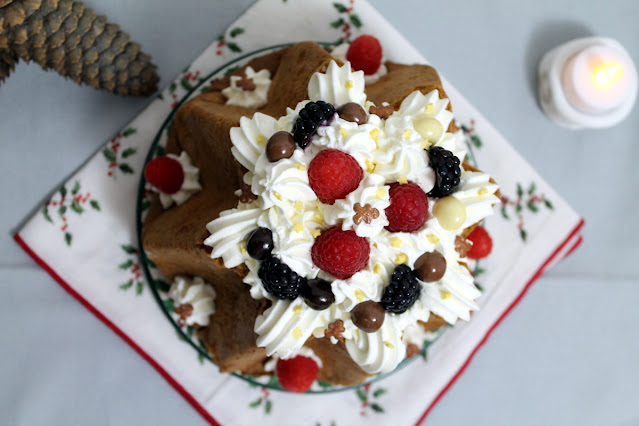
x=338, y=23
x=268, y=406
x=128, y=152
x=361, y=394
x=230, y=70
x=236, y=32
x=125, y=168
x=523, y=234
x=379, y=392
x=139, y=286
x=95, y=205
x=45, y=212
x=63, y=192
x=126, y=285
x=128, y=132
x=355, y=20
x=128, y=249
x=340, y=7
x=549, y=204
x=109, y=155
x=68, y=238
x=126, y=265
x=233, y=47
x=255, y=403
x=76, y=207
x=76, y=188
x=520, y=190
x=531, y=189
x=377, y=408
x=169, y=305
x=532, y=207
x=62, y=210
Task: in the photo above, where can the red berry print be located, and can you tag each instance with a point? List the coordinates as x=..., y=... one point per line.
x=165, y=173
x=482, y=243
x=408, y=208
x=365, y=54
x=297, y=374
x=340, y=253
x=333, y=174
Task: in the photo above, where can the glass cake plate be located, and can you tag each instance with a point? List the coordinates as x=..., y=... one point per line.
x=192, y=85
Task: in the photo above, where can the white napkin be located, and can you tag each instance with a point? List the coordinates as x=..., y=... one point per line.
x=85, y=237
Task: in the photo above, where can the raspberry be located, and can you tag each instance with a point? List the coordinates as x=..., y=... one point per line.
x=164, y=173
x=313, y=115
x=365, y=54
x=447, y=171
x=334, y=174
x=297, y=374
x=482, y=243
x=402, y=291
x=279, y=280
x=408, y=208
x=340, y=253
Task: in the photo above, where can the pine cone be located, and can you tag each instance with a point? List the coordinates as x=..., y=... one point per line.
x=65, y=36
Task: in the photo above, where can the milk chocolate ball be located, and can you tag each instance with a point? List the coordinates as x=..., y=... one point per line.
x=368, y=316
x=280, y=145
x=352, y=112
x=430, y=267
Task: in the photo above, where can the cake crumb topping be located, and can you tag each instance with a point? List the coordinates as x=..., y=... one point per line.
x=383, y=111
x=335, y=330
x=246, y=83
x=462, y=245
x=184, y=311
x=364, y=214
x=412, y=350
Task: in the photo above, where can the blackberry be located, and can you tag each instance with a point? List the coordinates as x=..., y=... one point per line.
x=279, y=280
x=447, y=171
x=313, y=115
x=402, y=292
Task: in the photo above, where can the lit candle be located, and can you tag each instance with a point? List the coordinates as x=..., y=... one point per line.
x=589, y=82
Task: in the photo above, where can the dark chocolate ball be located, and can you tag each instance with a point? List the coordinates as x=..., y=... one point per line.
x=317, y=294
x=280, y=145
x=352, y=112
x=368, y=316
x=260, y=244
x=430, y=267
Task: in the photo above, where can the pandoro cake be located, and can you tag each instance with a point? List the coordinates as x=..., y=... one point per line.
x=305, y=211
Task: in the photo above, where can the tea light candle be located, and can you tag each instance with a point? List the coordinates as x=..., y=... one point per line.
x=587, y=83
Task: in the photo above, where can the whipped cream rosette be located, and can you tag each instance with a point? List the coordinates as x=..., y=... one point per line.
x=249, y=90
x=355, y=220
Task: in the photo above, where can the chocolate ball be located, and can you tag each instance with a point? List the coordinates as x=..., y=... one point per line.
x=260, y=244
x=368, y=316
x=317, y=294
x=430, y=267
x=280, y=145
x=352, y=112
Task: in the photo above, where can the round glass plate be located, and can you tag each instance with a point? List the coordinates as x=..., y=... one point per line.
x=193, y=85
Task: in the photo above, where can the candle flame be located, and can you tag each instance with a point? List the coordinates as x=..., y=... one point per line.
x=608, y=74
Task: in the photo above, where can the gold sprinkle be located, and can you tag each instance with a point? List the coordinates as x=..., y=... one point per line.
x=378, y=269
x=381, y=192
x=396, y=242
x=298, y=227
x=297, y=332
x=406, y=133
x=445, y=294
x=403, y=180
x=370, y=166
x=388, y=344
x=430, y=107
x=278, y=195
x=349, y=84
x=360, y=295
x=318, y=218
x=297, y=309
x=374, y=134
x=316, y=233
x=301, y=167
x=482, y=191
x=243, y=249
x=433, y=239
x=260, y=139
x=298, y=205
x=401, y=259
x=343, y=132
x=425, y=144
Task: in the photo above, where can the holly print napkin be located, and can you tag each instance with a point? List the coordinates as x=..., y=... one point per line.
x=85, y=236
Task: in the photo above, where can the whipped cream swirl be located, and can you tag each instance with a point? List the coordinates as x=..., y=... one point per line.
x=252, y=95
x=198, y=294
